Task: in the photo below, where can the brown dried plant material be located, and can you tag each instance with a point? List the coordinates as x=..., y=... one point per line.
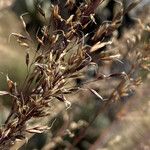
x=99, y=45
x=4, y=93
x=61, y=57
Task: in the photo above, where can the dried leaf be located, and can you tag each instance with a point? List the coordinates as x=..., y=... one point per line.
x=6, y=132
x=112, y=57
x=92, y=18
x=24, y=45
x=38, y=129
x=56, y=13
x=34, y=131
x=69, y=20
x=3, y=93
x=95, y=93
x=99, y=45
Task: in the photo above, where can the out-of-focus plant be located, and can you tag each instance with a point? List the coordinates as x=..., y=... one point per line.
x=61, y=57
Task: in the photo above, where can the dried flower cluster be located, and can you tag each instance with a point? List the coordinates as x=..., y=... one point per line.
x=62, y=56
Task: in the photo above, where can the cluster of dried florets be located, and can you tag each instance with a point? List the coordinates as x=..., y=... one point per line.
x=60, y=57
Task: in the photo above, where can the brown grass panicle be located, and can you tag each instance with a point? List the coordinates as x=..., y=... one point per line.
x=61, y=56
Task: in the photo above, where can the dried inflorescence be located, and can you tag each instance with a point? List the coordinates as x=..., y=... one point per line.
x=61, y=57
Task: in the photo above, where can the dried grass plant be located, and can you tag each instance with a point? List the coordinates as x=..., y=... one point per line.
x=61, y=56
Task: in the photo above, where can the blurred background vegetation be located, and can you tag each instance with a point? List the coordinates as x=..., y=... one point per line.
x=125, y=124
